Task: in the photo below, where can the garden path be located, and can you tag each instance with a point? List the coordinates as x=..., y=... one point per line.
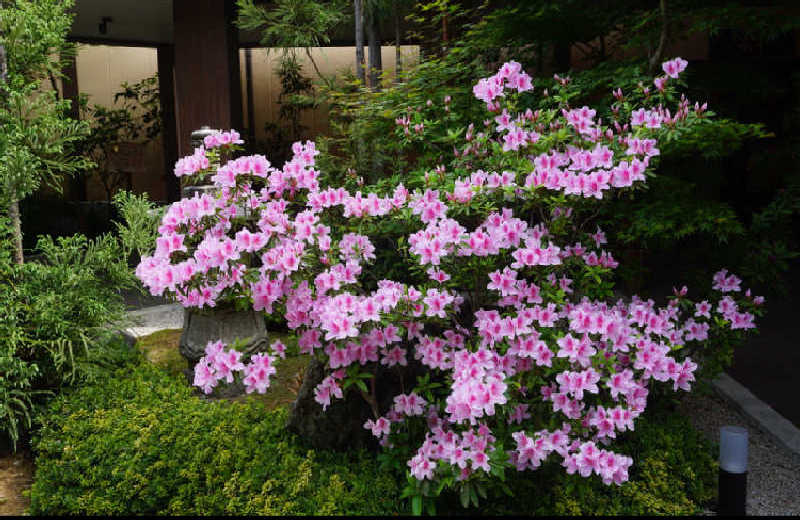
x=773, y=479
x=16, y=476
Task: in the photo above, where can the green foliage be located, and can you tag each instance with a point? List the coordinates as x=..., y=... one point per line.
x=138, y=228
x=59, y=313
x=365, y=141
x=291, y=24
x=54, y=324
x=674, y=473
x=774, y=243
x=140, y=442
x=37, y=134
x=667, y=213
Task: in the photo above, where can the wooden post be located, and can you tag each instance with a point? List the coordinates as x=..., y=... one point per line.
x=70, y=90
x=169, y=135
x=359, y=42
x=207, y=83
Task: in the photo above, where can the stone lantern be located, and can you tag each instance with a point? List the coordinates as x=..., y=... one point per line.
x=219, y=323
x=197, y=140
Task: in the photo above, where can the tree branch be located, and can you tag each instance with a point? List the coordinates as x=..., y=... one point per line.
x=662, y=42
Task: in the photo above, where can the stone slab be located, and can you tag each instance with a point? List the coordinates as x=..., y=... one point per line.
x=152, y=319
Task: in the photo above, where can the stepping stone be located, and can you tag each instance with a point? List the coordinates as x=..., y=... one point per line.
x=153, y=319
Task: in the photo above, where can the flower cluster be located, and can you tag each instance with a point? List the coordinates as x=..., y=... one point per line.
x=219, y=364
x=218, y=139
x=510, y=76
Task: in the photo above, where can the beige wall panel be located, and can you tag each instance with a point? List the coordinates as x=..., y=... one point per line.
x=101, y=71
x=330, y=60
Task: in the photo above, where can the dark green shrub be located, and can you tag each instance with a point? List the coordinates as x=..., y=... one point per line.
x=140, y=442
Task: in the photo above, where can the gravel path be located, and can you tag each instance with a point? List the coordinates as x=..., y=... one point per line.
x=773, y=479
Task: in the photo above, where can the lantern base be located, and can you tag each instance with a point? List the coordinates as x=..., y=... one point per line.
x=732, y=493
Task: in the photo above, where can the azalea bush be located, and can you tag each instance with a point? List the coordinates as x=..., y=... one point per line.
x=417, y=126
x=509, y=305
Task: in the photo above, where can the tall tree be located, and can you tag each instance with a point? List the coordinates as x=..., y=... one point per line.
x=374, y=43
x=359, y=23
x=398, y=56
x=291, y=24
x=38, y=135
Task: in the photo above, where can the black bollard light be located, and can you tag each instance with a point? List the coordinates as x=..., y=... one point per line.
x=732, y=471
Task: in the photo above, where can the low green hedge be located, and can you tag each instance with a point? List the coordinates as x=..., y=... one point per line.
x=140, y=442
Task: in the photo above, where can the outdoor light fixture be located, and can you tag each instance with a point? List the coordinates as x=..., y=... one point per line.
x=732, y=470
x=103, y=25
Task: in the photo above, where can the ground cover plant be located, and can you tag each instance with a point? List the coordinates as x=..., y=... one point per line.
x=139, y=441
x=539, y=366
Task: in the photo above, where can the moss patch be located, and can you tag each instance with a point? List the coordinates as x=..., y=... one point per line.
x=285, y=383
x=161, y=349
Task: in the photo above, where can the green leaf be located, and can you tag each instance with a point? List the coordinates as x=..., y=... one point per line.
x=361, y=385
x=416, y=505
x=473, y=496
x=464, y=495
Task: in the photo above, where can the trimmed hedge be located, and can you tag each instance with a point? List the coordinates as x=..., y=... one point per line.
x=140, y=442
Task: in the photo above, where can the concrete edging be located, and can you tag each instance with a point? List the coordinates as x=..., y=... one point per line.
x=784, y=432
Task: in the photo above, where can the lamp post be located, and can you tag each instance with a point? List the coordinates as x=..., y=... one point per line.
x=732, y=470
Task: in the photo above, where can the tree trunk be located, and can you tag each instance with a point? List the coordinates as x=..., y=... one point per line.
x=662, y=40
x=359, y=41
x=341, y=425
x=398, y=58
x=375, y=62
x=16, y=230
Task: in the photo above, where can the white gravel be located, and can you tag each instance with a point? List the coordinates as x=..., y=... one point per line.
x=773, y=479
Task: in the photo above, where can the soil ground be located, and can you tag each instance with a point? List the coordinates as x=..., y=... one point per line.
x=16, y=477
